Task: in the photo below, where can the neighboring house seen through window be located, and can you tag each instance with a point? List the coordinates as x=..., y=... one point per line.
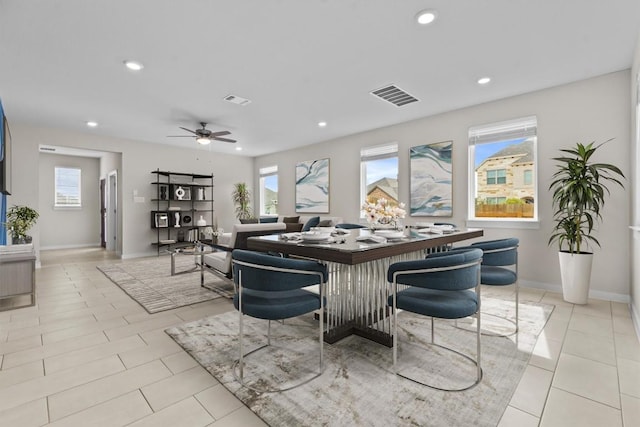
x=379, y=174
x=269, y=190
x=67, y=187
x=503, y=183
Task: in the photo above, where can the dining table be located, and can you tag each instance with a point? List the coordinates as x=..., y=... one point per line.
x=357, y=288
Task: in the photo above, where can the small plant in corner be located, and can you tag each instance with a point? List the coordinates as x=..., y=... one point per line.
x=242, y=199
x=19, y=220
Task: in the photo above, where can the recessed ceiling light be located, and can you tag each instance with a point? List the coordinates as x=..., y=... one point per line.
x=426, y=17
x=133, y=65
x=322, y=124
x=484, y=80
x=92, y=124
x=238, y=148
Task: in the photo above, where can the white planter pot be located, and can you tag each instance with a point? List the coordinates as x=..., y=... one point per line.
x=575, y=271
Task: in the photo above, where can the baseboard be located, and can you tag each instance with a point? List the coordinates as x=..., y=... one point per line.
x=635, y=317
x=86, y=245
x=603, y=295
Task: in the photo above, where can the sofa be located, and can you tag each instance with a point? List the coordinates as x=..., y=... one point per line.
x=296, y=223
x=220, y=259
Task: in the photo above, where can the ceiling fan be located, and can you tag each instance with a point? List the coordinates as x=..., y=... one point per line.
x=204, y=136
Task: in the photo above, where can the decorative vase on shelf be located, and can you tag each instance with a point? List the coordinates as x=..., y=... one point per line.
x=201, y=222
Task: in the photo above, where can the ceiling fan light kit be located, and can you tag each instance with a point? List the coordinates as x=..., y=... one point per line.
x=204, y=136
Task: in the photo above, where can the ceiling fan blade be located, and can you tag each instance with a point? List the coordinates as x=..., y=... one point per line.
x=188, y=130
x=224, y=139
x=220, y=133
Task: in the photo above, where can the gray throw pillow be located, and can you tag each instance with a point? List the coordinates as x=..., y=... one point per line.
x=313, y=222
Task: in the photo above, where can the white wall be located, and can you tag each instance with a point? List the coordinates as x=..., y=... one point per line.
x=635, y=205
x=138, y=160
x=69, y=227
x=595, y=109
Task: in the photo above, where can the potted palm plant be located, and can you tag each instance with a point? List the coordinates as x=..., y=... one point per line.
x=579, y=189
x=19, y=220
x=242, y=199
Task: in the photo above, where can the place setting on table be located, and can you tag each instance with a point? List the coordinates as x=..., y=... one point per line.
x=317, y=235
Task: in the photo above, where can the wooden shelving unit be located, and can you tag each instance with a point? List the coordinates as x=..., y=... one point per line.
x=182, y=201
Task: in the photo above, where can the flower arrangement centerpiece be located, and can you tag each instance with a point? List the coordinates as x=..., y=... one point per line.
x=383, y=214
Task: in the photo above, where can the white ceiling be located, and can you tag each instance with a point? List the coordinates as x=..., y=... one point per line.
x=299, y=62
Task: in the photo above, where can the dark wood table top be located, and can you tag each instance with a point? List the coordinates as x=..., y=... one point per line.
x=353, y=252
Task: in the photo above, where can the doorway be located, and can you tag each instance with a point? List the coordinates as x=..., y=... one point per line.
x=112, y=212
x=103, y=213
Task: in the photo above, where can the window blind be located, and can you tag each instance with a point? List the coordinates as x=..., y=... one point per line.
x=503, y=131
x=379, y=152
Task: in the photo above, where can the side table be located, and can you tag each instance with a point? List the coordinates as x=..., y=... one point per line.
x=198, y=250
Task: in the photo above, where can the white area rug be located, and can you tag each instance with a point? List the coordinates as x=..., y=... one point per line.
x=357, y=387
x=150, y=283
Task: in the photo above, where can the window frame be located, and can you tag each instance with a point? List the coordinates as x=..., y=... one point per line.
x=263, y=174
x=521, y=128
x=78, y=186
x=372, y=153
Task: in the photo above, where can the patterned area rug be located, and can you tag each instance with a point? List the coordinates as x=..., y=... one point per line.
x=358, y=387
x=150, y=283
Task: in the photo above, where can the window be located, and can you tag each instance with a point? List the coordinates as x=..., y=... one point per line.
x=502, y=163
x=67, y=187
x=496, y=176
x=379, y=173
x=269, y=190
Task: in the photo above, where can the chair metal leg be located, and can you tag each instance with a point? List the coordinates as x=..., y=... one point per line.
x=269, y=333
x=432, y=331
x=241, y=359
x=517, y=304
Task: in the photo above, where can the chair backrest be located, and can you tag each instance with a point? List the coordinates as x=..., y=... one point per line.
x=457, y=269
x=241, y=232
x=501, y=252
x=259, y=271
x=349, y=226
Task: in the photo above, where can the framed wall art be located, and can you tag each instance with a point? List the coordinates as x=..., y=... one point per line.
x=312, y=186
x=161, y=219
x=431, y=179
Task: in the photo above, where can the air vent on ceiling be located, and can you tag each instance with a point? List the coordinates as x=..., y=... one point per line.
x=394, y=95
x=50, y=149
x=237, y=100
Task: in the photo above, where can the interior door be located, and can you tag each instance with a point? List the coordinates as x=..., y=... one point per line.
x=103, y=213
x=112, y=212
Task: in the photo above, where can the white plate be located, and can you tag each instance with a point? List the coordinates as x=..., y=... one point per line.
x=424, y=224
x=315, y=237
x=390, y=234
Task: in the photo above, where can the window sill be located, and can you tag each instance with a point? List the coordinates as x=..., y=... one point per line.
x=531, y=224
x=67, y=208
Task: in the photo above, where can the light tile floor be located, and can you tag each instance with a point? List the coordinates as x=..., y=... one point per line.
x=87, y=354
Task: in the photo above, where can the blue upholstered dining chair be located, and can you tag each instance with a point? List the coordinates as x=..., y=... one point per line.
x=500, y=268
x=444, y=285
x=349, y=226
x=270, y=288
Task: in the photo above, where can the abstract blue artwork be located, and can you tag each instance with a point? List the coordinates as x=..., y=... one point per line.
x=431, y=173
x=312, y=186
